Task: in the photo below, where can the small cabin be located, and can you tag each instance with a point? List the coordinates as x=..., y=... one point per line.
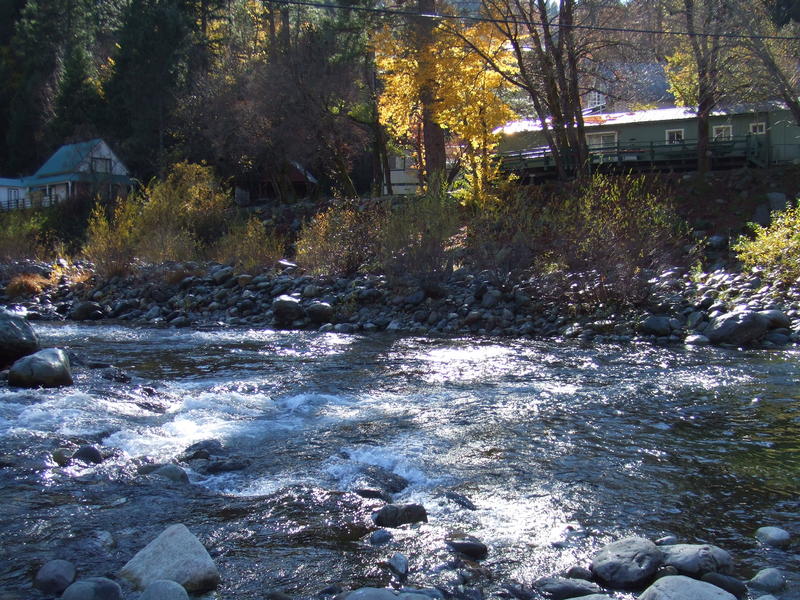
x=84, y=169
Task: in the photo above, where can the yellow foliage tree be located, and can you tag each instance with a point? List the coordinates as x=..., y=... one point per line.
x=468, y=104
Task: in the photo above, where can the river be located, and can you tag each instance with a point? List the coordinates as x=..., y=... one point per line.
x=561, y=447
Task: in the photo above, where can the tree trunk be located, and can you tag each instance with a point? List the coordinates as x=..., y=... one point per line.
x=432, y=133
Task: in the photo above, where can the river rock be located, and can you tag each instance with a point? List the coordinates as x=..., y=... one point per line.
x=172, y=472
x=560, y=588
x=655, y=325
x=88, y=454
x=17, y=338
x=469, y=546
x=93, y=588
x=679, y=587
x=737, y=327
x=45, y=368
x=398, y=564
x=773, y=536
x=727, y=583
x=176, y=555
x=775, y=318
x=768, y=580
x=369, y=593
x=286, y=309
x=628, y=563
x=394, y=515
x=86, y=311
x=54, y=576
x=320, y=312
x=695, y=560
x=380, y=537
x=164, y=589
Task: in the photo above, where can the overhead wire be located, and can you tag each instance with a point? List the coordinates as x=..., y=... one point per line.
x=514, y=21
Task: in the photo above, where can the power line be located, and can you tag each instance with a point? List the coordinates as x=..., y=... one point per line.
x=513, y=21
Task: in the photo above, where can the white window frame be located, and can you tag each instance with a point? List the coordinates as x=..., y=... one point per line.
x=758, y=128
x=595, y=98
x=600, y=134
x=13, y=194
x=722, y=133
x=676, y=141
x=101, y=164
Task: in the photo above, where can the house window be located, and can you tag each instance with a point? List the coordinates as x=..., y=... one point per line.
x=13, y=195
x=399, y=163
x=759, y=128
x=101, y=165
x=674, y=136
x=602, y=141
x=595, y=99
x=722, y=133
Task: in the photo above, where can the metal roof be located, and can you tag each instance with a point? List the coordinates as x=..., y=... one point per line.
x=641, y=116
x=66, y=159
x=12, y=182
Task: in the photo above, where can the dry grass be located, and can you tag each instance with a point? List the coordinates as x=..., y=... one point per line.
x=26, y=285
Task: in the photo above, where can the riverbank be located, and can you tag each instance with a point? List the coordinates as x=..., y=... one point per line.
x=676, y=306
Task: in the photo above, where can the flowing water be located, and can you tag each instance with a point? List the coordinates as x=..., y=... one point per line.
x=561, y=448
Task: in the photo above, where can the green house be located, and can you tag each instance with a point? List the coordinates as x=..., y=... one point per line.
x=757, y=135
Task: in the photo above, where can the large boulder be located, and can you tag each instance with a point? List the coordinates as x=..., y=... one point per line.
x=17, y=338
x=655, y=325
x=287, y=309
x=93, y=588
x=629, y=563
x=320, y=312
x=176, y=555
x=164, y=589
x=678, y=587
x=737, y=327
x=695, y=560
x=768, y=580
x=773, y=536
x=46, y=368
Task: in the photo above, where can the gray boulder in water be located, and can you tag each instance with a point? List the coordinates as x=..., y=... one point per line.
x=46, y=368
x=287, y=309
x=737, y=327
x=176, y=555
x=695, y=560
x=17, y=338
x=86, y=311
x=164, y=589
x=678, y=587
x=54, y=576
x=394, y=515
x=629, y=563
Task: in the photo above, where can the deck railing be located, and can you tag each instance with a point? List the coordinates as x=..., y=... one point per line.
x=748, y=149
x=9, y=204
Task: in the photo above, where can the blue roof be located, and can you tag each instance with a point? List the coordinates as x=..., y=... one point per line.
x=66, y=159
x=12, y=182
x=77, y=177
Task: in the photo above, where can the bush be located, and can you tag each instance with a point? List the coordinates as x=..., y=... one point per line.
x=25, y=285
x=182, y=215
x=247, y=245
x=19, y=234
x=775, y=248
x=417, y=237
x=340, y=240
x=111, y=242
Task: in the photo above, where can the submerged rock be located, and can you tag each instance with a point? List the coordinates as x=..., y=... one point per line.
x=54, y=577
x=560, y=588
x=17, y=338
x=628, y=563
x=46, y=368
x=470, y=547
x=93, y=588
x=768, y=580
x=88, y=454
x=176, y=555
x=679, y=587
x=394, y=515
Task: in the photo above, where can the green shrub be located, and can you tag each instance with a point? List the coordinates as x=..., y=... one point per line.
x=249, y=246
x=417, y=236
x=340, y=240
x=111, y=242
x=20, y=234
x=775, y=248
